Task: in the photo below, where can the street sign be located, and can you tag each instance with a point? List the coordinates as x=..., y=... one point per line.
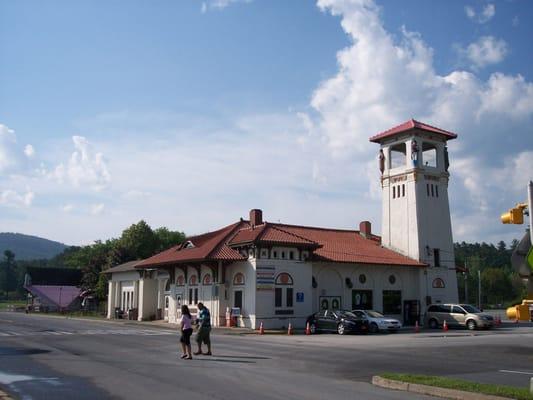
x=299, y=297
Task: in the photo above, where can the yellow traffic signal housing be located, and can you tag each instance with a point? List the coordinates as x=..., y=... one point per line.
x=514, y=215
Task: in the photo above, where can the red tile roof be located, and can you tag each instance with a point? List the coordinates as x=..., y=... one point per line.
x=209, y=246
x=332, y=245
x=407, y=126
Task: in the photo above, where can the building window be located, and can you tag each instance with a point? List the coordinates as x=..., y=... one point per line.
x=238, y=279
x=237, y=301
x=362, y=279
x=167, y=285
x=278, y=295
x=398, y=155
x=190, y=296
x=427, y=188
x=207, y=279
x=392, y=302
x=438, y=283
x=274, y=254
x=392, y=279
x=394, y=192
x=437, y=190
x=193, y=281
x=436, y=257
x=284, y=284
x=291, y=255
x=195, y=295
x=361, y=299
x=432, y=193
x=180, y=280
x=264, y=254
x=283, y=254
x=290, y=296
x=429, y=154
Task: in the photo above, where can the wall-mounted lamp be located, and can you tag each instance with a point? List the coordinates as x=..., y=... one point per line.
x=349, y=283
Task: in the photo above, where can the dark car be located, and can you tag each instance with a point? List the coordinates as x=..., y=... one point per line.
x=339, y=321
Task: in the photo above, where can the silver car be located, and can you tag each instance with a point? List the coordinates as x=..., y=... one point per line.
x=457, y=315
x=378, y=322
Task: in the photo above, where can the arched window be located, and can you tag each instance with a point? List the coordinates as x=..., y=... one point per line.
x=284, y=291
x=167, y=285
x=193, y=280
x=207, y=280
x=284, y=279
x=238, y=279
x=438, y=283
x=180, y=280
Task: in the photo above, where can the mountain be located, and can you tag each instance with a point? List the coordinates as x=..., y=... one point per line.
x=28, y=247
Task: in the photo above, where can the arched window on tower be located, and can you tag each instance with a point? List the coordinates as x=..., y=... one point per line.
x=429, y=154
x=397, y=155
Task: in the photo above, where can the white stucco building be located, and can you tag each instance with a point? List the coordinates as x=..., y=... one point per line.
x=279, y=273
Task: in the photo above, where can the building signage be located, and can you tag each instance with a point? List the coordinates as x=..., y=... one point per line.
x=265, y=277
x=299, y=297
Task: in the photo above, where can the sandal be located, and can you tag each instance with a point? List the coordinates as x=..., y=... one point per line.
x=184, y=356
x=188, y=358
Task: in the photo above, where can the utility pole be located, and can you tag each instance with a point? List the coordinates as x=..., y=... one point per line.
x=466, y=283
x=479, y=288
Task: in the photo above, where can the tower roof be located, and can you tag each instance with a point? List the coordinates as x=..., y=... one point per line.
x=410, y=125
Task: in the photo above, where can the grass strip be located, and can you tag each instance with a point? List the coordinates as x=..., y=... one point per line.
x=459, y=384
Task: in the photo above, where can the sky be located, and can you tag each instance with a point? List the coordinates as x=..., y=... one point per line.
x=188, y=114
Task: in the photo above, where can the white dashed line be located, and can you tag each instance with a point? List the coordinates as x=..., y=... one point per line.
x=515, y=372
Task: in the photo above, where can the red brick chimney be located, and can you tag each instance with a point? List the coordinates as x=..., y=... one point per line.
x=365, y=229
x=256, y=217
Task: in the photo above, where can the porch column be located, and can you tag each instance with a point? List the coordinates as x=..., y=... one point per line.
x=136, y=294
x=118, y=294
x=110, y=299
x=140, y=308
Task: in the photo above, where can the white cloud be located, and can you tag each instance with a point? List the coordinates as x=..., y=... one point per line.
x=485, y=51
x=97, y=209
x=85, y=168
x=12, y=198
x=220, y=4
x=382, y=82
x=29, y=151
x=483, y=16
x=8, y=142
x=68, y=208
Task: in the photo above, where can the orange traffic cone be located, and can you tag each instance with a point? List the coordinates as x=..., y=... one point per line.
x=289, y=331
x=445, y=326
x=307, y=329
x=417, y=328
x=261, y=329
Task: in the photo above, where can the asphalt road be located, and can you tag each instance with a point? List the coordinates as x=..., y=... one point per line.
x=51, y=358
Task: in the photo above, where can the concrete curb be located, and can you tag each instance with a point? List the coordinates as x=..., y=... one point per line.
x=432, y=390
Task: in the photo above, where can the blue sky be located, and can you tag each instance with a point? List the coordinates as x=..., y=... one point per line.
x=187, y=114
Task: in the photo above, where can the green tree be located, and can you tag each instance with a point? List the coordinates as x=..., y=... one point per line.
x=139, y=240
x=168, y=238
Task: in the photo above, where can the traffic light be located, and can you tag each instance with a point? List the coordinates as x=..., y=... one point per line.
x=514, y=215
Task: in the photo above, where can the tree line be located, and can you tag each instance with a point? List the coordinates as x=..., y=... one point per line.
x=139, y=241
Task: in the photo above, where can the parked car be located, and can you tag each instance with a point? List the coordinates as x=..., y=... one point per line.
x=457, y=315
x=378, y=322
x=340, y=321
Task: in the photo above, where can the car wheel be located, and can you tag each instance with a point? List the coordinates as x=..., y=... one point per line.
x=340, y=329
x=433, y=324
x=374, y=328
x=471, y=324
x=312, y=328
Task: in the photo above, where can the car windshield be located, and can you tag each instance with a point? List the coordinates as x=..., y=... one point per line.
x=375, y=314
x=346, y=314
x=470, y=309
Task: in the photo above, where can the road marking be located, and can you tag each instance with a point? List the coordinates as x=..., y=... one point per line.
x=134, y=332
x=515, y=372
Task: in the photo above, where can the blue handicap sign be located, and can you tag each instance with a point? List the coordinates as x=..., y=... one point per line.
x=299, y=297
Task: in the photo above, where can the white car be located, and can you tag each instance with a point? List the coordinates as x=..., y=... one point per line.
x=378, y=322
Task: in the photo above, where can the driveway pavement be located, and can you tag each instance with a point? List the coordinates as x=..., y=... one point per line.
x=50, y=358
